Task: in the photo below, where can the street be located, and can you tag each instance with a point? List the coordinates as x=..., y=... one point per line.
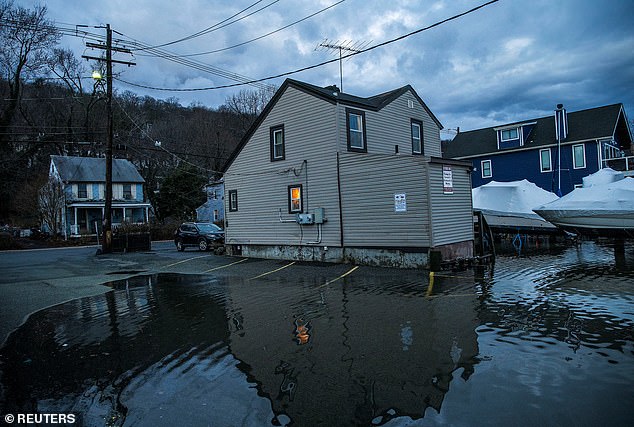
x=31, y=280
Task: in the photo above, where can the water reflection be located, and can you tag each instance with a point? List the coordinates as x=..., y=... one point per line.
x=513, y=345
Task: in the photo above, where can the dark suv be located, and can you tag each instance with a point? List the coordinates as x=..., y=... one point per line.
x=204, y=235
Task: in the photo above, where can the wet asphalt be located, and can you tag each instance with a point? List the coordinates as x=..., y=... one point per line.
x=31, y=280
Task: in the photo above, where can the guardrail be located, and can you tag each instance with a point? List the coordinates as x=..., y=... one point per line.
x=621, y=164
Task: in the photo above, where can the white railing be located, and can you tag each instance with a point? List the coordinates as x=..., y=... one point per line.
x=622, y=164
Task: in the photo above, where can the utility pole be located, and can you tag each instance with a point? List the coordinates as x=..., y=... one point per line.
x=106, y=243
x=345, y=46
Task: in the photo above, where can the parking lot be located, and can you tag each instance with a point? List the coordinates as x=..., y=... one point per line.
x=35, y=279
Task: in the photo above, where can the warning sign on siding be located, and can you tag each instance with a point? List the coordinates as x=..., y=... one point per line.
x=447, y=180
x=400, y=202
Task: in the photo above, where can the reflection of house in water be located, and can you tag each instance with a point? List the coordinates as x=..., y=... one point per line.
x=226, y=351
x=363, y=350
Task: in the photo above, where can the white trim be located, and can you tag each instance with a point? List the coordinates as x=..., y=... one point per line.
x=516, y=125
x=550, y=160
x=482, y=168
x=517, y=129
x=574, y=163
x=510, y=150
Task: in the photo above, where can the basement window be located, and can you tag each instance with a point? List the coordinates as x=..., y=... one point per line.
x=295, y=204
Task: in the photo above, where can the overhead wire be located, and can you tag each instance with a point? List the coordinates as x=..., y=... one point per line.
x=264, y=35
x=219, y=25
x=310, y=67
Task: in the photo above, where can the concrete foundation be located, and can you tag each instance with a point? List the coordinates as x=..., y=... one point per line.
x=361, y=256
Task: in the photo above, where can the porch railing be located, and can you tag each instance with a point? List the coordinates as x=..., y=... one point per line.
x=621, y=164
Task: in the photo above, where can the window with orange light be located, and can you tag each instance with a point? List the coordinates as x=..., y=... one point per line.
x=295, y=204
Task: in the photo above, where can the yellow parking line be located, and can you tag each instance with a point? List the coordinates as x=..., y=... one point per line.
x=185, y=260
x=227, y=265
x=339, y=278
x=273, y=271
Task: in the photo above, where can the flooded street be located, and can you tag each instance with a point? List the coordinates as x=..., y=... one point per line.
x=542, y=339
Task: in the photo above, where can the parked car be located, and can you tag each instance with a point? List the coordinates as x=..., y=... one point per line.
x=204, y=235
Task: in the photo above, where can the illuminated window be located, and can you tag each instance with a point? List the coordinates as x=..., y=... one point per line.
x=295, y=204
x=356, y=131
x=417, y=137
x=278, y=151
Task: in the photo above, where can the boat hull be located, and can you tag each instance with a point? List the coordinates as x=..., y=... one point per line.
x=595, y=223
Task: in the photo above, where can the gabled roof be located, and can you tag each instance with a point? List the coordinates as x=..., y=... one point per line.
x=334, y=96
x=93, y=169
x=593, y=123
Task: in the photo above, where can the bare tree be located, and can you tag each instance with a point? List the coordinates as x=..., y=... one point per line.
x=26, y=37
x=51, y=200
x=248, y=104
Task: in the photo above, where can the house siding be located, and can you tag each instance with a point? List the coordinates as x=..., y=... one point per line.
x=518, y=165
x=451, y=214
x=368, y=186
x=310, y=160
x=391, y=126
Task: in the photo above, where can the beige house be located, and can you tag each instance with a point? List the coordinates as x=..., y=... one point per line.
x=323, y=175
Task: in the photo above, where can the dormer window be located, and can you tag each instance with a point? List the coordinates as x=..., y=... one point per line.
x=509, y=134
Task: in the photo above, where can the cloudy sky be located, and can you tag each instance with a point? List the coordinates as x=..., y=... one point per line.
x=511, y=60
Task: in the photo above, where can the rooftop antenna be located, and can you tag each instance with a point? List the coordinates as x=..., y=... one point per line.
x=345, y=45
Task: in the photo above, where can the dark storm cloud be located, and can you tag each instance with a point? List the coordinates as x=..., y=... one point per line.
x=509, y=61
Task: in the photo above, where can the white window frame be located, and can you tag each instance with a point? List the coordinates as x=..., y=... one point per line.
x=541, y=160
x=490, y=175
x=574, y=156
x=517, y=131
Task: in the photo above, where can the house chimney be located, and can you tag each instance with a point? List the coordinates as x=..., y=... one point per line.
x=561, y=123
x=333, y=88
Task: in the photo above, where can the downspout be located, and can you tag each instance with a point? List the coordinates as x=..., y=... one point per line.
x=339, y=176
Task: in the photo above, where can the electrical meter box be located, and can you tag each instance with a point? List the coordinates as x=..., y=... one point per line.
x=305, y=218
x=320, y=217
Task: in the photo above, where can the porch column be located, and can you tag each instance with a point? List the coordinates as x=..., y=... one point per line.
x=76, y=226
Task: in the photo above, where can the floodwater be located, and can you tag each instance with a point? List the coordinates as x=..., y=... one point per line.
x=545, y=339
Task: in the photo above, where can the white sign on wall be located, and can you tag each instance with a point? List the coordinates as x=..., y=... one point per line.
x=447, y=180
x=400, y=202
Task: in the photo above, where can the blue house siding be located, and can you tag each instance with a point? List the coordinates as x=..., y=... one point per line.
x=139, y=192
x=518, y=165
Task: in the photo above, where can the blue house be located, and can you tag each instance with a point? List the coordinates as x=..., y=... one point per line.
x=213, y=210
x=589, y=140
x=84, y=181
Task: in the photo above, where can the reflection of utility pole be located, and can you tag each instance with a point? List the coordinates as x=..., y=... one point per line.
x=345, y=46
x=106, y=244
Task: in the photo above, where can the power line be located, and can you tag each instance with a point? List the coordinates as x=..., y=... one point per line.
x=310, y=67
x=214, y=27
x=264, y=35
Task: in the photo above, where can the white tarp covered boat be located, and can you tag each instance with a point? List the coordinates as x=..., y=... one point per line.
x=509, y=205
x=601, y=208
